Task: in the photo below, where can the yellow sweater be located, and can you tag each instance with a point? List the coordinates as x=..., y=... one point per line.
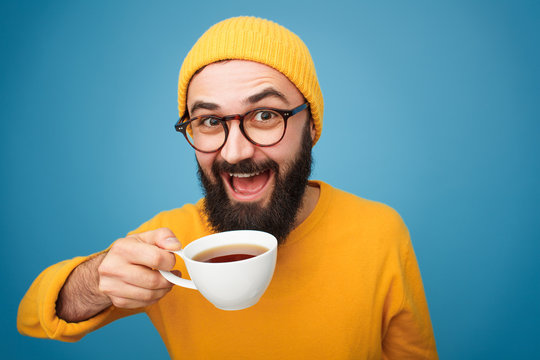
x=346, y=286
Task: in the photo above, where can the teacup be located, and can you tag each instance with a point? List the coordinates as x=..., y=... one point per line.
x=229, y=279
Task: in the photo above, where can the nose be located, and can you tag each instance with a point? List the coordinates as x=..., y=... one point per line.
x=237, y=147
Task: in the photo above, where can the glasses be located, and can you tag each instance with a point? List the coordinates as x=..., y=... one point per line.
x=261, y=126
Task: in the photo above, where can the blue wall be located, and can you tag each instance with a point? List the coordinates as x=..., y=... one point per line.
x=431, y=107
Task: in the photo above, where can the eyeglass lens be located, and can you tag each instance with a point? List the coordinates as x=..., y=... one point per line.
x=263, y=126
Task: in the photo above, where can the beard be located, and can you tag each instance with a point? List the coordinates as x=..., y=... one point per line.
x=279, y=215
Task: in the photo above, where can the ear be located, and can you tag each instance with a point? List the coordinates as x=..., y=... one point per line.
x=313, y=131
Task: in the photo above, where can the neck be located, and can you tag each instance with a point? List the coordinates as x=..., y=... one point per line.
x=309, y=201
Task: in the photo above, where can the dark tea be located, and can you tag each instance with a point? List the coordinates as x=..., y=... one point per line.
x=229, y=253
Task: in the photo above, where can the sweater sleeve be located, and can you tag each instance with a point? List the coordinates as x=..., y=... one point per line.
x=37, y=311
x=409, y=334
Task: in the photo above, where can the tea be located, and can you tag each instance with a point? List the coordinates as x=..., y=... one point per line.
x=229, y=253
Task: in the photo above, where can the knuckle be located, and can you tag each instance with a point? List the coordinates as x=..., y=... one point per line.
x=155, y=260
x=117, y=245
x=104, y=269
x=120, y=302
x=118, y=248
x=105, y=288
x=153, y=281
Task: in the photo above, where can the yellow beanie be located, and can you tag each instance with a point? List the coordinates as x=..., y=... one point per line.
x=262, y=41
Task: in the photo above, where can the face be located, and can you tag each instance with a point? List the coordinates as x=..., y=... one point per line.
x=244, y=182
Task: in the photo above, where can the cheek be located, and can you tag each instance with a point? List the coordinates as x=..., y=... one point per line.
x=205, y=162
x=284, y=154
x=287, y=149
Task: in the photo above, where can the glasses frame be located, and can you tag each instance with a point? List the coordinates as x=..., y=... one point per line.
x=181, y=125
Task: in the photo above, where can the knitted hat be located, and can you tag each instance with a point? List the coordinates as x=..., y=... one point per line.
x=262, y=41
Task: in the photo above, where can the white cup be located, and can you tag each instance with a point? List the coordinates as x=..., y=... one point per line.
x=231, y=285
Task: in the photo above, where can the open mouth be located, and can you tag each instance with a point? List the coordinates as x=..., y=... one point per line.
x=247, y=186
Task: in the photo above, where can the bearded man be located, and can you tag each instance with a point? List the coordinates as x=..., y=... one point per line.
x=346, y=283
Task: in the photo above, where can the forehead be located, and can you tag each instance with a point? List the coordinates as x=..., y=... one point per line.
x=234, y=80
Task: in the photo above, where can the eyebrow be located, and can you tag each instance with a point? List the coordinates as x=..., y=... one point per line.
x=203, y=105
x=253, y=99
x=268, y=92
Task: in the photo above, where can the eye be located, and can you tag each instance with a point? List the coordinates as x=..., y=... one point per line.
x=208, y=122
x=264, y=115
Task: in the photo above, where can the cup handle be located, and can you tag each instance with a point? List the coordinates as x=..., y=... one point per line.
x=175, y=279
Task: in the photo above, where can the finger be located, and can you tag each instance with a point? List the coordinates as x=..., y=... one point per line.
x=146, y=278
x=126, y=303
x=153, y=236
x=169, y=243
x=132, y=250
x=126, y=295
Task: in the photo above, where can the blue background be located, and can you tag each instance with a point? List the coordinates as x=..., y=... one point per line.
x=431, y=107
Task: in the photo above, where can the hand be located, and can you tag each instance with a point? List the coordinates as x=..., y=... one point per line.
x=128, y=274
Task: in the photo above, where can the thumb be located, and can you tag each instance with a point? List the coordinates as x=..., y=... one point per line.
x=163, y=238
x=169, y=243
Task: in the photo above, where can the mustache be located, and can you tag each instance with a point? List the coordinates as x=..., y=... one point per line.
x=244, y=166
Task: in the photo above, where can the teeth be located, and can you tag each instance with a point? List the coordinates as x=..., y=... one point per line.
x=242, y=175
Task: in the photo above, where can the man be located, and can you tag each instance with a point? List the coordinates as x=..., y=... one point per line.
x=346, y=284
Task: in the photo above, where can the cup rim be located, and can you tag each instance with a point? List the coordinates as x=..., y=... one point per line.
x=267, y=235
